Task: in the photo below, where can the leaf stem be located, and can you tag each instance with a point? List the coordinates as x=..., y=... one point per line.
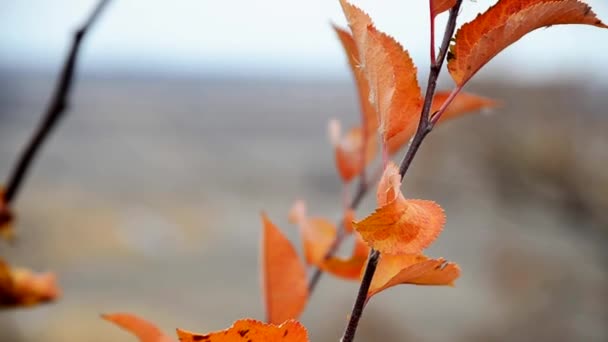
x=425, y=126
x=55, y=109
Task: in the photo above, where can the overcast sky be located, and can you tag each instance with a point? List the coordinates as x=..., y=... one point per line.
x=267, y=37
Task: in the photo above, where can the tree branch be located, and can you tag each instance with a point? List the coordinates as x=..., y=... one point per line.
x=425, y=126
x=55, y=109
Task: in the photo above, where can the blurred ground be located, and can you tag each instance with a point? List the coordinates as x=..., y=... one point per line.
x=147, y=200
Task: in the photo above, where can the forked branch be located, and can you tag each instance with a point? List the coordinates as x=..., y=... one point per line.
x=425, y=126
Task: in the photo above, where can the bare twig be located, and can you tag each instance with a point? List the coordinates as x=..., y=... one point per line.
x=55, y=109
x=425, y=126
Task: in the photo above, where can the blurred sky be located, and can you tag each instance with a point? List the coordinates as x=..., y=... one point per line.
x=274, y=38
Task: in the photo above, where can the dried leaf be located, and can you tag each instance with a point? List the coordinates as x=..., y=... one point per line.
x=248, y=330
x=440, y=6
x=142, y=329
x=22, y=287
x=464, y=103
x=6, y=219
x=352, y=267
x=400, y=226
x=478, y=41
x=412, y=269
x=285, y=286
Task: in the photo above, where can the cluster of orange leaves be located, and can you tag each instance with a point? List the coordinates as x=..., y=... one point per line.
x=391, y=101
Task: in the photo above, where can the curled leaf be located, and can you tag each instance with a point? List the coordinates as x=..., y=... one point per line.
x=248, y=330
x=350, y=268
x=22, y=287
x=142, y=329
x=284, y=282
x=400, y=226
x=480, y=40
x=464, y=103
x=414, y=269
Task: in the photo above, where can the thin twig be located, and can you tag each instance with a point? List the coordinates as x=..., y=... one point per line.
x=55, y=109
x=366, y=281
x=424, y=127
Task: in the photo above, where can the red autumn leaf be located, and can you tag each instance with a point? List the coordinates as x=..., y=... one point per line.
x=399, y=225
x=22, y=287
x=478, y=41
x=248, y=330
x=284, y=282
x=464, y=103
x=440, y=6
x=351, y=158
x=317, y=234
x=414, y=269
x=142, y=329
x=369, y=120
x=6, y=218
x=352, y=267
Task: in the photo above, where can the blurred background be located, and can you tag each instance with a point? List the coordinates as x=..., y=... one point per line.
x=190, y=117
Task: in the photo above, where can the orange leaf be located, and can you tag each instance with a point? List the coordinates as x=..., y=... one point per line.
x=412, y=269
x=400, y=226
x=463, y=103
x=478, y=41
x=285, y=286
x=317, y=234
x=440, y=6
x=351, y=158
x=251, y=331
x=393, y=84
x=358, y=21
x=352, y=267
x=6, y=218
x=142, y=329
x=394, y=91
x=369, y=120
x=22, y=287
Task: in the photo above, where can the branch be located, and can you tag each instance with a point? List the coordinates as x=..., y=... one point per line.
x=55, y=109
x=425, y=126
